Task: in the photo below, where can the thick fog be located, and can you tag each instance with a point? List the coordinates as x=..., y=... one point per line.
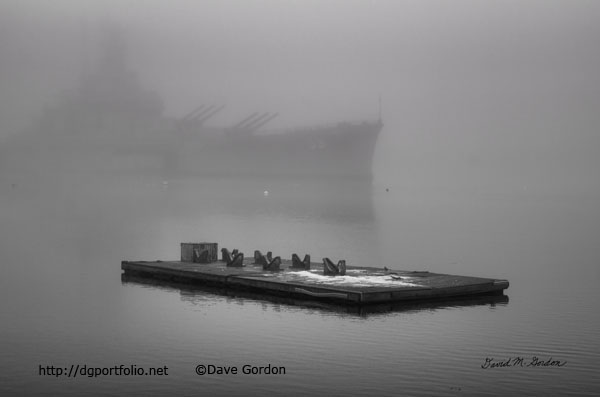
x=473, y=93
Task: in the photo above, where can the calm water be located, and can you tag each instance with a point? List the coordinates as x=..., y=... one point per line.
x=64, y=302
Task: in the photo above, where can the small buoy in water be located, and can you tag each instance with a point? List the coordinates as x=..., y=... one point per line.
x=266, y=193
x=165, y=183
x=387, y=189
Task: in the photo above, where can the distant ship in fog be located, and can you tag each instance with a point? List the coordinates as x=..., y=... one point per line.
x=110, y=123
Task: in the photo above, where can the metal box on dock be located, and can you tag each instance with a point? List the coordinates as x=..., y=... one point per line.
x=187, y=252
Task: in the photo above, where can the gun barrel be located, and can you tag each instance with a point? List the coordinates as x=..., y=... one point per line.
x=202, y=113
x=265, y=121
x=252, y=121
x=211, y=114
x=256, y=121
x=192, y=113
x=238, y=125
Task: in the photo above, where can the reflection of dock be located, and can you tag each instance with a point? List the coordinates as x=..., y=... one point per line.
x=359, y=286
x=196, y=294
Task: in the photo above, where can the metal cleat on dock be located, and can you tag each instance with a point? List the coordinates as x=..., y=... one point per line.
x=201, y=256
x=267, y=262
x=226, y=255
x=236, y=260
x=298, y=264
x=259, y=258
x=329, y=269
x=273, y=265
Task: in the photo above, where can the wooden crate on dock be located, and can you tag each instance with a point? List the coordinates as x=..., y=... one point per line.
x=191, y=251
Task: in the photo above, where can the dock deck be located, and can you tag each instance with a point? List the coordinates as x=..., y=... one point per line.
x=360, y=285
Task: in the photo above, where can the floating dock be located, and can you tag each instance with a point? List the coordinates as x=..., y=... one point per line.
x=359, y=285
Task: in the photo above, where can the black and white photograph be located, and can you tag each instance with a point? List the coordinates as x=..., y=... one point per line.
x=299, y=197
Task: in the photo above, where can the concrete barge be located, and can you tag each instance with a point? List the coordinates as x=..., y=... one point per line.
x=358, y=286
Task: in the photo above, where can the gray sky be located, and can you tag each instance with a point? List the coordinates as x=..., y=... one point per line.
x=494, y=88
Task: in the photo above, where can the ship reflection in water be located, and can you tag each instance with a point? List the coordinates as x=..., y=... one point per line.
x=314, y=198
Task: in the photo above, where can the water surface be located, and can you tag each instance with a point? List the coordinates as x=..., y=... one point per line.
x=64, y=300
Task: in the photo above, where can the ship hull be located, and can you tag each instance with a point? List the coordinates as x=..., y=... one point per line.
x=345, y=150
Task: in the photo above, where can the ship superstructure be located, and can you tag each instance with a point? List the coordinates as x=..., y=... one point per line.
x=111, y=122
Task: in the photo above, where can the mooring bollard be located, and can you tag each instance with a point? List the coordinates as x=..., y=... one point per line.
x=329, y=269
x=201, y=256
x=260, y=259
x=298, y=264
x=274, y=265
x=236, y=260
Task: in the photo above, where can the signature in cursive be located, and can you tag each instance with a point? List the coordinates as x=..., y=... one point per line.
x=491, y=362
